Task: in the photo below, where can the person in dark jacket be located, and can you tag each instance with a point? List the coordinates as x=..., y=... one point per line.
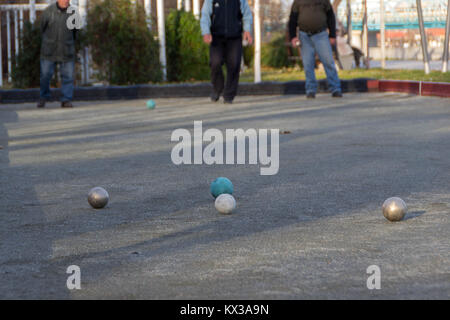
x=313, y=18
x=222, y=23
x=58, y=46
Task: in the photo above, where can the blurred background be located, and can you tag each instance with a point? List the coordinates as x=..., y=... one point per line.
x=133, y=53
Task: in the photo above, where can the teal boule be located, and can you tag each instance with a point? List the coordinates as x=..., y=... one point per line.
x=151, y=104
x=220, y=186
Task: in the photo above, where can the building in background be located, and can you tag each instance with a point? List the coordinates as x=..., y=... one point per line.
x=402, y=28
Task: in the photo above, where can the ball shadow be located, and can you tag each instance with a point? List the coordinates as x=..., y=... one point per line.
x=413, y=215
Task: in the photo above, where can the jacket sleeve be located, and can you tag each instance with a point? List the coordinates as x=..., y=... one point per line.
x=331, y=22
x=247, y=16
x=44, y=21
x=293, y=21
x=205, y=20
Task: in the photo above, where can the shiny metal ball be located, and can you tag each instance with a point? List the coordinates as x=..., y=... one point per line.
x=98, y=198
x=394, y=209
x=225, y=203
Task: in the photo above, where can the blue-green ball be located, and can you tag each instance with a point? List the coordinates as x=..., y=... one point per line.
x=151, y=104
x=220, y=186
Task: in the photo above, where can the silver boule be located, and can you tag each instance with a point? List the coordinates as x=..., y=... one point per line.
x=394, y=209
x=98, y=198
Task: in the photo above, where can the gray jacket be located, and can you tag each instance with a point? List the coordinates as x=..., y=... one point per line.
x=58, y=41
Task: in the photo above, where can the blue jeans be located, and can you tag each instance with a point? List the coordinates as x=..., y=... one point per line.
x=318, y=43
x=67, y=73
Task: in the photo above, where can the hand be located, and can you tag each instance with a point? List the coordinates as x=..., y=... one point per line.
x=295, y=42
x=248, y=37
x=207, y=38
x=333, y=41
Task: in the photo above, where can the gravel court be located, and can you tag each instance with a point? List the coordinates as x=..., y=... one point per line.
x=308, y=232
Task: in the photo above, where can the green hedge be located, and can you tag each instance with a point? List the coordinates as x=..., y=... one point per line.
x=276, y=54
x=187, y=54
x=249, y=55
x=26, y=66
x=123, y=49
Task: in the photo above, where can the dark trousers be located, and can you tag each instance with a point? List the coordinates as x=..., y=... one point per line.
x=228, y=52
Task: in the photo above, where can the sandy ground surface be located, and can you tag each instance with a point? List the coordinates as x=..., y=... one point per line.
x=309, y=232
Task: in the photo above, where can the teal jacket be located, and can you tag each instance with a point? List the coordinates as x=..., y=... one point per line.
x=58, y=41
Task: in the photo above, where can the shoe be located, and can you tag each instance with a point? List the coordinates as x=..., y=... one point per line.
x=215, y=97
x=66, y=104
x=337, y=94
x=227, y=101
x=311, y=95
x=41, y=103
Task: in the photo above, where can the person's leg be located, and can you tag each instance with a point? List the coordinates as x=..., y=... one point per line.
x=233, y=57
x=309, y=60
x=47, y=70
x=323, y=47
x=216, y=54
x=67, y=73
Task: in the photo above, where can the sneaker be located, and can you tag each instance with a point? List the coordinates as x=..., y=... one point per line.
x=66, y=104
x=227, y=101
x=41, y=103
x=311, y=95
x=337, y=94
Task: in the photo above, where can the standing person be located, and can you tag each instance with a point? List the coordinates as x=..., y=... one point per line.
x=58, y=46
x=313, y=18
x=222, y=24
